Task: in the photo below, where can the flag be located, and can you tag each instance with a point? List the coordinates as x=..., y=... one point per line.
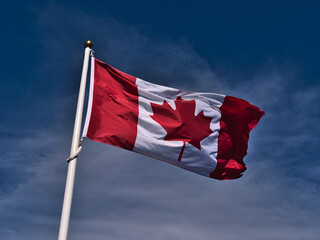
x=205, y=133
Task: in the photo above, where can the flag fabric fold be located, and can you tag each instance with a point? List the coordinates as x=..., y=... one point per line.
x=206, y=133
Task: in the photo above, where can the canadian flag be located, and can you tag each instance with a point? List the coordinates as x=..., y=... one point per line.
x=205, y=133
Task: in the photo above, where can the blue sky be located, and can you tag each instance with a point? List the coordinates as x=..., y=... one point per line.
x=265, y=52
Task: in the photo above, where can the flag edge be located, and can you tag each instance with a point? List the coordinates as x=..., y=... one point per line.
x=90, y=99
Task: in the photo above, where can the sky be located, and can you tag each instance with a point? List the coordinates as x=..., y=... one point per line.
x=263, y=51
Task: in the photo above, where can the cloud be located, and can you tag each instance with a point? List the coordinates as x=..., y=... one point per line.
x=120, y=194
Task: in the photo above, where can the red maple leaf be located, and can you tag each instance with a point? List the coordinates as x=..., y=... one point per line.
x=182, y=124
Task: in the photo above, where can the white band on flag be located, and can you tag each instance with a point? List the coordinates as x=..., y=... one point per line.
x=89, y=108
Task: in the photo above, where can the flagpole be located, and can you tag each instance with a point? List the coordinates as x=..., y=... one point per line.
x=65, y=215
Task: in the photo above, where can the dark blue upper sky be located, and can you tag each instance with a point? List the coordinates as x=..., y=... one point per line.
x=263, y=51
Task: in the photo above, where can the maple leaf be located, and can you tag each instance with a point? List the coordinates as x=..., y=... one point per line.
x=182, y=124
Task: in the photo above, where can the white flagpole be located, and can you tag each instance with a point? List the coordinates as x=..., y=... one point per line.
x=65, y=215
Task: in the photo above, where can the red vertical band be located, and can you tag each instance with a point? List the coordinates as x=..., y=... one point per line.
x=115, y=108
x=238, y=118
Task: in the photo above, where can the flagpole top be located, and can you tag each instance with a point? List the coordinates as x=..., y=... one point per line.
x=88, y=44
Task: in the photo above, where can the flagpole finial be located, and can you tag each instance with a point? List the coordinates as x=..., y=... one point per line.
x=88, y=44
